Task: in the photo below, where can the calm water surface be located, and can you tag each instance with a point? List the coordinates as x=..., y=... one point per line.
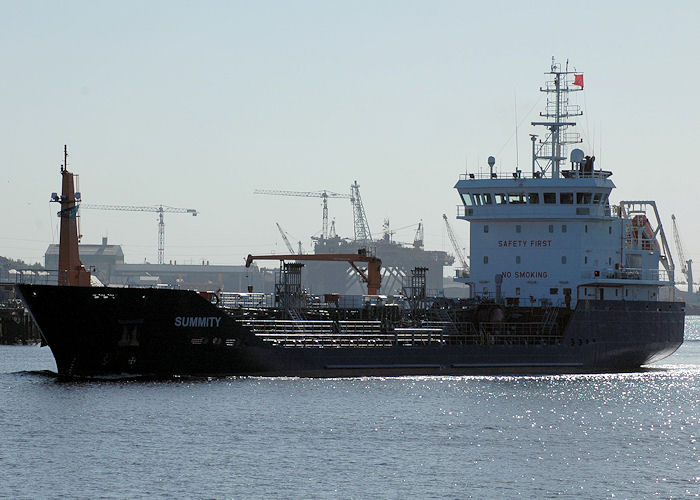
x=623, y=436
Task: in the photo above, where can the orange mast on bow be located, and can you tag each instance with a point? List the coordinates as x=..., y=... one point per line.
x=71, y=271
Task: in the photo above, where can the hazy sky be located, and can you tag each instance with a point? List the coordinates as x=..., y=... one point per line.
x=196, y=104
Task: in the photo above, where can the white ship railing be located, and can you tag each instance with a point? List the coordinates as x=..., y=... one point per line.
x=283, y=327
x=567, y=174
x=636, y=274
x=519, y=333
x=359, y=327
x=596, y=210
x=235, y=300
x=287, y=333
x=31, y=276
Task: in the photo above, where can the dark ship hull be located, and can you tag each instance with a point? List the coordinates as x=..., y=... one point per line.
x=164, y=333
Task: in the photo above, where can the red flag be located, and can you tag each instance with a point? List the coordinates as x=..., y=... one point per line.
x=578, y=80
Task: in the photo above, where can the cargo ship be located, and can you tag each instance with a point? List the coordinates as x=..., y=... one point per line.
x=561, y=281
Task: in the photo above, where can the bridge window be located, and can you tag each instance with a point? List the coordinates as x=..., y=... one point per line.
x=550, y=197
x=583, y=198
x=467, y=199
x=516, y=197
x=604, y=199
x=596, y=198
x=566, y=198
x=477, y=199
x=553, y=291
x=487, y=198
x=533, y=198
x=501, y=199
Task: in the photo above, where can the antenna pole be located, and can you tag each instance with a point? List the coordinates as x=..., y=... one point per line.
x=556, y=146
x=557, y=113
x=161, y=236
x=517, y=155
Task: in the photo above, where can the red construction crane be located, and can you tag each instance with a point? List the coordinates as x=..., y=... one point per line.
x=373, y=276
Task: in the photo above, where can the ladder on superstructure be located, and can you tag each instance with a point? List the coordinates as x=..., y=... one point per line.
x=551, y=313
x=445, y=318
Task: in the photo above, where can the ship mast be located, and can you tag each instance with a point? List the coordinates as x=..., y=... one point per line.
x=551, y=151
x=71, y=271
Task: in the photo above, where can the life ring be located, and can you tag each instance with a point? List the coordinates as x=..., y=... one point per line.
x=215, y=299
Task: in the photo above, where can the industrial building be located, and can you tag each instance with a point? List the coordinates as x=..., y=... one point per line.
x=101, y=258
x=106, y=262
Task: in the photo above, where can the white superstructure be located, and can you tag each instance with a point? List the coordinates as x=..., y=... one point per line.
x=552, y=236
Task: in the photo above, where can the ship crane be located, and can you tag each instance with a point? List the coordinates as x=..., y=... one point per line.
x=372, y=275
x=687, y=268
x=458, y=251
x=159, y=209
x=324, y=195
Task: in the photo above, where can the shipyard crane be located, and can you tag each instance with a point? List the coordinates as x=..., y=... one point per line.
x=361, y=225
x=286, y=240
x=687, y=268
x=388, y=233
x=458, y=251
x=159, y=209
x=418, y=238
x=324, y=195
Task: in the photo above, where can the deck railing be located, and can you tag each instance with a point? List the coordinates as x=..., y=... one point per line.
x=234, y=300
x=628, y=273
x=519, y=333
x=288, y=333
x=520, y=174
